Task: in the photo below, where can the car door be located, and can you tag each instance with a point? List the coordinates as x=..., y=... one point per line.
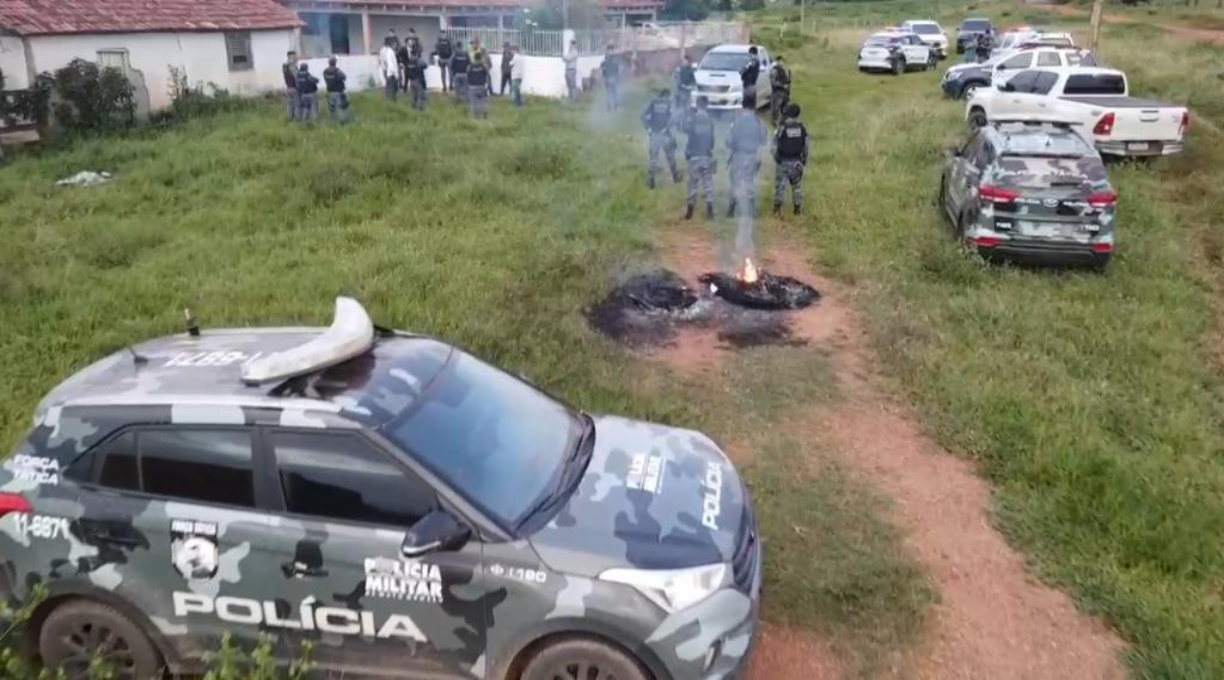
x=916, y=51
x=345, y=505
x=1008, y=68
x=1015, y=99
x=959, y=181
x=173, y=512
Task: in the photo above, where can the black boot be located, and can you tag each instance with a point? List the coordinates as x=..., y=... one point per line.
x=675, y=176
x=731, y=209
x=709, y=211
x=798, y=209
x=777, y=209
x=650, y=181
x=688, y=212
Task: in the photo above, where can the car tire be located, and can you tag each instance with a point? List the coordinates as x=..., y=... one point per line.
x=898, y=66
x=942, y=200
x=77, y=632
x=978, y=119
x=582, y=658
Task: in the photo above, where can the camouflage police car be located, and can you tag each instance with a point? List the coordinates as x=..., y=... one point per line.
x=406, y=507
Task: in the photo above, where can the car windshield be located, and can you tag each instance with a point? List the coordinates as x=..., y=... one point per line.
x=1102, y=84
x=975, y=25
x=925, y=29
x=724, y=61
x=494, y=438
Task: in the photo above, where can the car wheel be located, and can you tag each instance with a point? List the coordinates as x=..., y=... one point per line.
x=977, y=119
x=582, y=659
x=898, y=66
x=943, y=199
x=76, y=634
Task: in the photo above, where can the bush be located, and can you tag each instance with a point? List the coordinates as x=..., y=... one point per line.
x=32, y=104
x=187, y=102
x=93, y=100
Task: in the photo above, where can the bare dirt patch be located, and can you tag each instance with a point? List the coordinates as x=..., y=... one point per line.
x=993, y=620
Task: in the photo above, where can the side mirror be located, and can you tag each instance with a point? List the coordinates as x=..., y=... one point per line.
x=438, y=531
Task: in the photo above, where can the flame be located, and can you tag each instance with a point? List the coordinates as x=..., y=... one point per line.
x=749, y=273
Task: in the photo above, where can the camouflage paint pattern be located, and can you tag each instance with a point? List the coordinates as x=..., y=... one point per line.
x=652, y=497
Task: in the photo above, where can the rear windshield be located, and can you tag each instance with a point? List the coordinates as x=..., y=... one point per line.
x=1096, y=83
x=1050, y=172
x=975, y=25
x=882, y=40
x=924, y=29
x=1024, y=140
x=724, y=61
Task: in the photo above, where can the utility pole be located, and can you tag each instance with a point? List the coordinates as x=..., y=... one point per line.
x=1098, y=8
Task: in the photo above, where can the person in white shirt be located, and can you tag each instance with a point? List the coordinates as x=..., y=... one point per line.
x=571, y=70
x=388, y=67
x=518, y=66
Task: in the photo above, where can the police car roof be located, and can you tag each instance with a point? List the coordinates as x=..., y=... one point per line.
x=207, y=370
x=732, y=49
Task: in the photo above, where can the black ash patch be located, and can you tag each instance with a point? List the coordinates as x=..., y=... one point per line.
x=769, y=292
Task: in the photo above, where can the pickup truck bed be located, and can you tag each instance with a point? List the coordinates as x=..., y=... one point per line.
x=1119, y=102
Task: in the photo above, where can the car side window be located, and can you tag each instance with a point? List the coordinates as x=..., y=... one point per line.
x=206, y=465
x=344, y=477
x=1048, y=59
x=1017, y=62
x=1045, y=82
x=118, y=468
x=1024, y=81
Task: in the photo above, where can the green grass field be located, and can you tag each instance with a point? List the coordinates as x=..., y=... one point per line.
x=1092, y=402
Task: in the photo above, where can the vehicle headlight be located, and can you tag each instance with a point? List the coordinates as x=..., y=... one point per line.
x=953, y=75
x=672, y=589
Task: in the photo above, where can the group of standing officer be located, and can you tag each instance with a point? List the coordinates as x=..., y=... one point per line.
x=467, y=74
x=745, y=139
x=302, y=90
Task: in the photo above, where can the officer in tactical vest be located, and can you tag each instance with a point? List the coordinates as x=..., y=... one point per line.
x=444, y=52
x=686, y=83
x=780, y=82
x=699, y=152
x=414, y=72
x=610, y=69
x=658, y=122
x=460, y=63
x=478, y=79
x=790, y=152
x=744, y=141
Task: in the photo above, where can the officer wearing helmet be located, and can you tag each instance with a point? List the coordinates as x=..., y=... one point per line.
x=790, y=152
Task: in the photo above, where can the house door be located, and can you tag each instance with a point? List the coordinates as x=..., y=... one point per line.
x=338, y=28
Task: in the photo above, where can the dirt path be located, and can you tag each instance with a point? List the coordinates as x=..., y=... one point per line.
x=1183, y=32
x=993, y=620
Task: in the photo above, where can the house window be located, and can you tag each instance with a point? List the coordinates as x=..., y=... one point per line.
x=113, y=59
x=238, y=51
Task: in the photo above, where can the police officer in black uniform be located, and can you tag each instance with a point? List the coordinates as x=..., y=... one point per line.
x=748, y=78
x=780, y=84
x=790, y=152
x=657, y=118
x=460, y=63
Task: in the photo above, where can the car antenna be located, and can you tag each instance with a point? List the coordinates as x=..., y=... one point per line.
x=193, y=328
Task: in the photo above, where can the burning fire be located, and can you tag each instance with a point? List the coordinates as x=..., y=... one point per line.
x=749, y=273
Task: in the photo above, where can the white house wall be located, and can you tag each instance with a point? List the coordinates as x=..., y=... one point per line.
x=201, y=55
x=13, y=63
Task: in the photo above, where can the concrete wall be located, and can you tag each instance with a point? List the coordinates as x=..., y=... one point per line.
x=13, y=63
x=201, y=55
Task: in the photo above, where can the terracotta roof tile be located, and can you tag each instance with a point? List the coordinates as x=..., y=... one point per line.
x=48, y=17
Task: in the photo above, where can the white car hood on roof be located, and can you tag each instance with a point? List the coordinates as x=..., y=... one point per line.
x=707, y=77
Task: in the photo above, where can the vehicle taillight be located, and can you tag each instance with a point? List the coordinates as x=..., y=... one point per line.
x=996, y=195
x=1185, y=124
x=1102, y=247
x=1105, y=125
x=12, y=502
x=985, y=241
x=1103, y=199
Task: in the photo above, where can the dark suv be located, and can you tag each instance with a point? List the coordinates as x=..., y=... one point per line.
x=967, y=34
x=406, y=507
x=1032, y=191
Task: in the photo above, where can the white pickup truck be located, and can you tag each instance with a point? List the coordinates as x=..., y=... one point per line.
x=1094, y=101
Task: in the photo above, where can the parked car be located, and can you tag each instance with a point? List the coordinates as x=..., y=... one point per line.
x=967, y=34
x=409, y=508
x=718, y=77
x=1095, y=101
x=895, y=53
x=930, y=33
x=961, y=79
x=1030, y=191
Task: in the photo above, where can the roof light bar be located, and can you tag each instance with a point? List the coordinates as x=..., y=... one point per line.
x=351, y=334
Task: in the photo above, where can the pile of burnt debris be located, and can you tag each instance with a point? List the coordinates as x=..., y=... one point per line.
x=743, y=308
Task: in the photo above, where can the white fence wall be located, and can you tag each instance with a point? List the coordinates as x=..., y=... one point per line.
x=13, y=63
x=592, y=42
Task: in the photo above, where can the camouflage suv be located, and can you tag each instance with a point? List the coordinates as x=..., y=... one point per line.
x=1032, y=191
x=406, y=507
